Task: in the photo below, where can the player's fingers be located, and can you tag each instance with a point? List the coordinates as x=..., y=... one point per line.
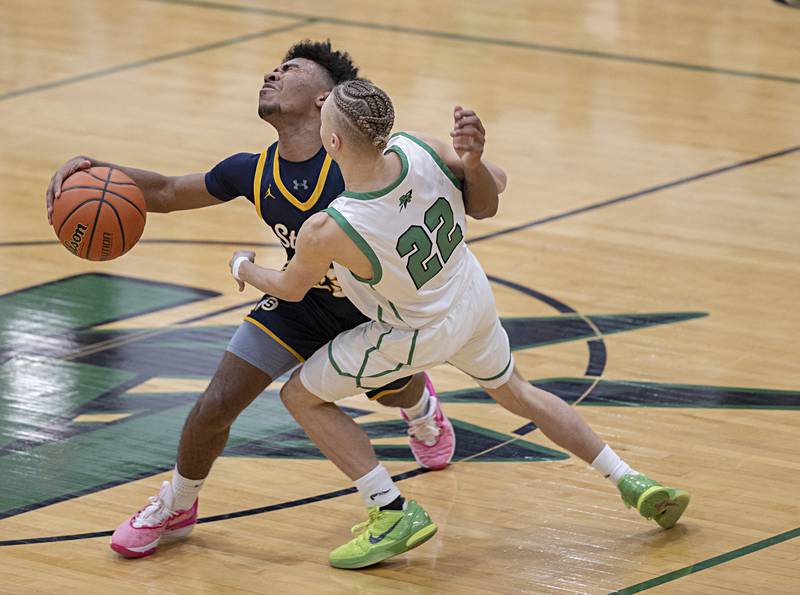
x=464, y=115
x=472, y=120
x=468, y=144
x=59, y=177
x=464, y=145
x=466, y=130
x=48, y=195
x=57, y=181
x=241, y=286
x=461, y=143
x=63, y=173
x=76, y=166
x=470, y=132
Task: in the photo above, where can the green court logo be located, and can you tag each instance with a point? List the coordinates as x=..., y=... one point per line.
x=89, y=407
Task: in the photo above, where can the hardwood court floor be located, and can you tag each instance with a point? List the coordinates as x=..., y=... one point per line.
x=645, y=261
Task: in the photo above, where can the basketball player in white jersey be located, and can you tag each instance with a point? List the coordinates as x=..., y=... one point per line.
x=396, y=238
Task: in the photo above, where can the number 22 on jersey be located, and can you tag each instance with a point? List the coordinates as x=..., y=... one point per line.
x=417, y=243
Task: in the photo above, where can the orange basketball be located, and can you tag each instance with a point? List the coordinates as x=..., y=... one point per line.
x=100, y=214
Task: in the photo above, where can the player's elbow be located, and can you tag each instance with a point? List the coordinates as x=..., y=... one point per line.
x=500, y=181
x=484, y=213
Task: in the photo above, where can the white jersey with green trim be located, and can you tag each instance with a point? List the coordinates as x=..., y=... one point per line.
x=412, y=232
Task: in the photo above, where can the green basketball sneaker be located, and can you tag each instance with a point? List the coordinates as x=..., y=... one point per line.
x=384, y=534
x=653, y=501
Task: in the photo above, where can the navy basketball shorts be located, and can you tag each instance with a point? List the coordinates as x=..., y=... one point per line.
x=277, y=336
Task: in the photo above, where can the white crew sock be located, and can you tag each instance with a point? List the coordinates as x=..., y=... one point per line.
x=611, y=466
x=377, y=488
x=421, y=408
x=184, y=491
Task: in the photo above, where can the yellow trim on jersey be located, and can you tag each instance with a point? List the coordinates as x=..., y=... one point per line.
x=386, y=393
x=274, y=336
x=312, y=200
x=262, y=159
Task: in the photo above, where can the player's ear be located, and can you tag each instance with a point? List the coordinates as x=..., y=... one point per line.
x=336, y=142
x=321, y=99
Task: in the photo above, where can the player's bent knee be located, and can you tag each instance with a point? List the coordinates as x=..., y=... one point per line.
x=295, y=396
x=292, y=391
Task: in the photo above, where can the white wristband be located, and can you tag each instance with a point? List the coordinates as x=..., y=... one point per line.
x=236, y=264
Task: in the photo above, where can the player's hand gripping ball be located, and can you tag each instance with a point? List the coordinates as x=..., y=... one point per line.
x=100, y=213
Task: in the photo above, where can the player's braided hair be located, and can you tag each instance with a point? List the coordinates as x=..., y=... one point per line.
x=338, y=64
x=367, y=109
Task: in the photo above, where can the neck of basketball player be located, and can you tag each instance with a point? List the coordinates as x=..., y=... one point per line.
x=367, y=170
x=298, y=138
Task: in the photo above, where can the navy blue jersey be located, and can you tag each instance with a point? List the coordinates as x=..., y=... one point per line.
x=285, y=193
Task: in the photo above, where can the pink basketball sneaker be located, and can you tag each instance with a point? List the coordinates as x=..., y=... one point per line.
x=431, y=436
x=139, y=535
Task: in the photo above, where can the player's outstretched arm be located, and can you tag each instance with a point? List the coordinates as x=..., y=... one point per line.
x=314, y=251
x=161, y=193
x=483, y=180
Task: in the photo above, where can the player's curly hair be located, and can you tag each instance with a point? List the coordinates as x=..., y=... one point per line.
x=338, y=64
x=367, y=109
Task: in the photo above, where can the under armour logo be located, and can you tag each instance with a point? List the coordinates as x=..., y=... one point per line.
x=269, y=192
x=298, y=185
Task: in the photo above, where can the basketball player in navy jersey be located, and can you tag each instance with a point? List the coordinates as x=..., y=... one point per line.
x=288, y=182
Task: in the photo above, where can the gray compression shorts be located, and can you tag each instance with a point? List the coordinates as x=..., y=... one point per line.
x=262, y=351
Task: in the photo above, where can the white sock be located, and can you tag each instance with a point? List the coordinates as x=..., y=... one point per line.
x=184, y=491
x=421, y=408
x=377, y=488
x=611, y=466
